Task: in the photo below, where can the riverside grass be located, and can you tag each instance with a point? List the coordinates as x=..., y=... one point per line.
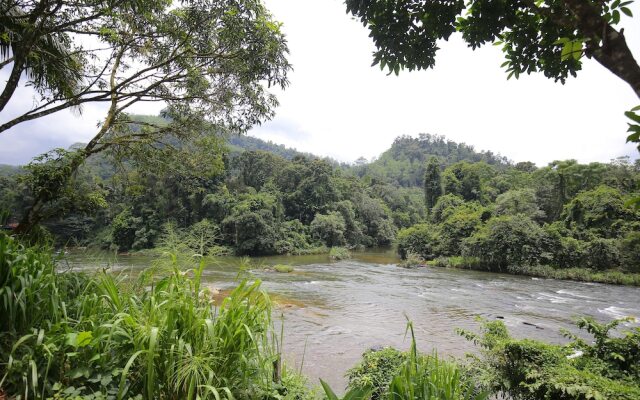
x=543, y=271
x=73, y=336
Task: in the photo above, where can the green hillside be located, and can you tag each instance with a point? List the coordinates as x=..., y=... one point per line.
x=403, y=164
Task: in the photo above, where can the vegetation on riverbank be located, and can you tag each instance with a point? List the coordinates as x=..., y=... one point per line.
x=68, y=335
x=433, y=197
x=77, y=336
x=615, y=277
x=605, y=367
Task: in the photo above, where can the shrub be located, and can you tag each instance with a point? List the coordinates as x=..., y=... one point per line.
x=531, y=370
x=393, y=375
x=339, y=253
x=376, y=369
x=412, y=260
x=630, y=252
x=603, y=254
x=283, y=268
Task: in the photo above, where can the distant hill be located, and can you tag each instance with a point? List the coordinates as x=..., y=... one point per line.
x=9, y=170
x=250, y=143
x=403, y=163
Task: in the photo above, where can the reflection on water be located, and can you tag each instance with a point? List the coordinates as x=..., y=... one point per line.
x=337, y=310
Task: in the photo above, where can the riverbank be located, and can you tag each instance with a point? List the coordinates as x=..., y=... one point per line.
x=613, y=277
x=332, y=313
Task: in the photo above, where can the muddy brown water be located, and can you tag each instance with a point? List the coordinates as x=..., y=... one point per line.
x=334, y=311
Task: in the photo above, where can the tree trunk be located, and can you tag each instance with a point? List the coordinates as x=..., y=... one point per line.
x=12, y=82
x=607, y=45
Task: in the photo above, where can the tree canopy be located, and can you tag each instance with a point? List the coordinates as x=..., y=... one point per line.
x=208, y=62
x=548, y=36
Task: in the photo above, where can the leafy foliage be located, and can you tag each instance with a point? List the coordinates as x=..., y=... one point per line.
x=550, y=37
x=165, y=336
x=528, y=369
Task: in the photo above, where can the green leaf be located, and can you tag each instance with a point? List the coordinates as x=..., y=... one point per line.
x=626, y=11
x=84, y=338
x=632, y=116
x=567, y=50
x=78, y=373
x=327, y=390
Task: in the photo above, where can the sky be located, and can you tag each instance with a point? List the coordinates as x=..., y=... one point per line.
x=337, y=105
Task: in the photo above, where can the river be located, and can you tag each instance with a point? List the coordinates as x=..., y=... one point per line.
x=333, y=311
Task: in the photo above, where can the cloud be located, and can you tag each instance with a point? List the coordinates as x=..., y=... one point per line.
x=349, y=109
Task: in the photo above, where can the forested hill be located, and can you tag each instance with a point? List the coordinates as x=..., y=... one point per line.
x=250, y=143
x=404, y=163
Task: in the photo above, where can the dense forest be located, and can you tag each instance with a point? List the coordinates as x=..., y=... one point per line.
x=437, y=199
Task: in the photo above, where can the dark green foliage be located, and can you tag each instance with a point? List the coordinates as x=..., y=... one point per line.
x=630, y=251
x=329, y=229
x=601, y=210
x=432, y=183
x=463, y=179
x=445, y=206
x=508, y=240
x=461, y=222
x=376, y=369
x=123, y=234
x=519, y=201
x=602, y=254
x=421, y=239
x=549, y=37
x=605, y=368
x=252, y=226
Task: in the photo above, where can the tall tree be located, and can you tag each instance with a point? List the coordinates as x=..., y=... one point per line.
x=207, y=61
x=548, y=36
x=432, y=183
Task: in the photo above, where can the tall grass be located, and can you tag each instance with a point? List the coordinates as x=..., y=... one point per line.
x=162, y=336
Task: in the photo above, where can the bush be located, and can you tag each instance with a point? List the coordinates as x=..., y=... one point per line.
x=339, y=253
x=412, y=260
x=376, y=369
x=293, y=238
x=602, y=254
x=283, y=268
x=531, y=370
x=393, y=375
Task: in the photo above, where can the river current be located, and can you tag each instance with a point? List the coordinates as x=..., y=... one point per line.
x=334, y=311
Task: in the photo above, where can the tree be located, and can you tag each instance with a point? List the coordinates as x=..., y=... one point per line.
x=602, y=211
x=507, y=241
x=432, y=183
x=421, y=239
x=463, y=179
x=547, y=36
x=329, y=228
x=207, y=61
x=520, y=201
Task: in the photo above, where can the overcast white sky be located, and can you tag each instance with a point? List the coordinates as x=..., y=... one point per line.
x=339, y=106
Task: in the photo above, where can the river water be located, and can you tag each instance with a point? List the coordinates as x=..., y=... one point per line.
x=334, y=311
